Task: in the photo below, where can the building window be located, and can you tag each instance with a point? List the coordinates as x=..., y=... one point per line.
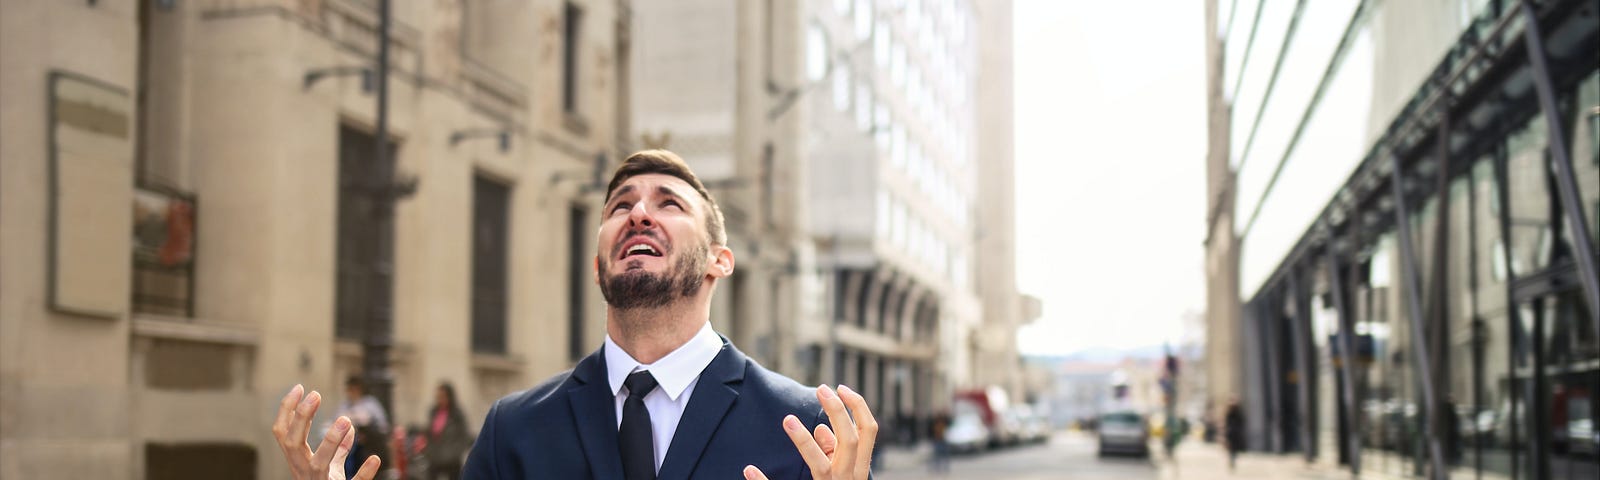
x=816, y=53
x=841, y=89
x=578, y=259
x=357, y=233
x=863, y=105
x=491, y=238
x=863, y=19
x=163, y=252
x=880, y=45
x=572, y=29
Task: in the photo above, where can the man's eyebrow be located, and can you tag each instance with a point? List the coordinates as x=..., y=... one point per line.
x=668, y=191
x=623, y=190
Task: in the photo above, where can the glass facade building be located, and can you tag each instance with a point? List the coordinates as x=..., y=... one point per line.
x=1415, y=191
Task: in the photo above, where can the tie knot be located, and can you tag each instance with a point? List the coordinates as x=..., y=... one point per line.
x=640, y=383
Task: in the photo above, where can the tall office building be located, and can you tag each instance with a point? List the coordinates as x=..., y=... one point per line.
x=1403, y=230
x=845, y=140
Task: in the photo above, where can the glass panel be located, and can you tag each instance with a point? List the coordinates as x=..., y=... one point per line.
x=1462, y=353
x=1572, y=370
x=1236, y=40
x=1531, y=212
x=1586, y=151
x=1487, y=427
x=1568, y=373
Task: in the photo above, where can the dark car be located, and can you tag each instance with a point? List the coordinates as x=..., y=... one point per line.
x=1124, y=432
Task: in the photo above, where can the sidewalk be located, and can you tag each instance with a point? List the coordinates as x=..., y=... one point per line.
x=1203, y=461
x=896, y=458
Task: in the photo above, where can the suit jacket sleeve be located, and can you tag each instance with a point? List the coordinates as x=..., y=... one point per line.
x=481, y=461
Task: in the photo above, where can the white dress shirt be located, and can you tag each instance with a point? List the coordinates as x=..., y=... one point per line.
x=676, y=375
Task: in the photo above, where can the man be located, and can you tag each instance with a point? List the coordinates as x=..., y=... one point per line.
x=665, y=396
x=1233, y=431
x=367, y=416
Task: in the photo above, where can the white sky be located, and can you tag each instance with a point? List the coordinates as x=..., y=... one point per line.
x=1110, y=158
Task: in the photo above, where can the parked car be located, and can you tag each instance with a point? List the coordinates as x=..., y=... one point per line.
x=1124, y=432
x=966, y=432
x=991, y=404
x=1035, y=424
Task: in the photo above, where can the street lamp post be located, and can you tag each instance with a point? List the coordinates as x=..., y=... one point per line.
x=379, y=331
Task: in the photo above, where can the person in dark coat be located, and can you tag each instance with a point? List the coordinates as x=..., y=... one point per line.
x=447, y=436
x=1233, y=431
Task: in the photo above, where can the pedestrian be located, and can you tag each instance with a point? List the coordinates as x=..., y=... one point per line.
x=446, y=441
x=1233, y=431
x=662, y=252
x=366, y=414
x=940, y=462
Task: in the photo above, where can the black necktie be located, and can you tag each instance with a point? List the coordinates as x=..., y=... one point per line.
x=634, y=439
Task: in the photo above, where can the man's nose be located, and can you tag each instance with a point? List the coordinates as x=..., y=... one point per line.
x=639, y=216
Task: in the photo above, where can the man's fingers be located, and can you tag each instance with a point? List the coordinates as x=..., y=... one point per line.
x=844, y=454
x=369, y=469
x=301, y=423
x=341, y=451
x=825, y=439
x=331, y=442
x=280, y=425
x=809, y=451
x=866, y=426
x=753, y=473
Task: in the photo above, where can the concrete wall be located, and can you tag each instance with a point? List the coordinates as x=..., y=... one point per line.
x=58, y=419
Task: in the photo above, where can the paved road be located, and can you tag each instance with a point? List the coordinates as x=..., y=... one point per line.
x=1066, y=456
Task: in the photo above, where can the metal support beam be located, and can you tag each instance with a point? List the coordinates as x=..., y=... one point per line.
x=1561, y=164
x=1299, y=327
x=1269, y=313
x=1419, y=344
x=1438, y=307
x=1347, y=348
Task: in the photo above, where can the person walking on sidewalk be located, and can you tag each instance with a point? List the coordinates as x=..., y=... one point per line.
x=1233, y=431
x=447, y=439
x=940, y=462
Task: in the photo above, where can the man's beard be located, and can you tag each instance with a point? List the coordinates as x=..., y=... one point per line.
x=638, y=289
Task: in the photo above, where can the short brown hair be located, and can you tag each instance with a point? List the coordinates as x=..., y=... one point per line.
x=667, y=163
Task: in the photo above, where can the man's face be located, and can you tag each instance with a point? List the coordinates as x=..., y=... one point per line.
x=653, y=247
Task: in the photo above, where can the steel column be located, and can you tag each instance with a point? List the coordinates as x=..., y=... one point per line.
x=1561, y=164
x=1347, y=345
x=1438, y=310
x=1299, y=325
x=1419, y=343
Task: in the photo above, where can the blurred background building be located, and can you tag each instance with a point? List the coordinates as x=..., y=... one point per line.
x=843, y=138
x=1403, y=201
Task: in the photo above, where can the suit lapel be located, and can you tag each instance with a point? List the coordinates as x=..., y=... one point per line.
x=594, y=411
x=713, y=395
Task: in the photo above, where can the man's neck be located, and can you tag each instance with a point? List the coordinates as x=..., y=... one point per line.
x=649, y=334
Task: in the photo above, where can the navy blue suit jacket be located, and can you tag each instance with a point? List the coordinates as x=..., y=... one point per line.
x=566, y=428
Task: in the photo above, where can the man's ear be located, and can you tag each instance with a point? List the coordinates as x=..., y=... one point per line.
x=596, y=269
x=721, y=264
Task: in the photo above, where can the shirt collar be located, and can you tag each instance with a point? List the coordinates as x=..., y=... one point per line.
x=673, y=372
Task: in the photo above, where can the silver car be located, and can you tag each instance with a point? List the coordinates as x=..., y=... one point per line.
x=1124, y=432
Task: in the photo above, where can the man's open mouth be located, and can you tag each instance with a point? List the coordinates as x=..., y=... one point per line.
x=641, y=248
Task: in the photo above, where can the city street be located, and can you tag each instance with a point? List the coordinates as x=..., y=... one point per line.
x=1071, y=455
x=1067, y=455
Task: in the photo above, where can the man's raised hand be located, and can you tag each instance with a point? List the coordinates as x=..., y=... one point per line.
x=846, y=455
x=290, y=427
